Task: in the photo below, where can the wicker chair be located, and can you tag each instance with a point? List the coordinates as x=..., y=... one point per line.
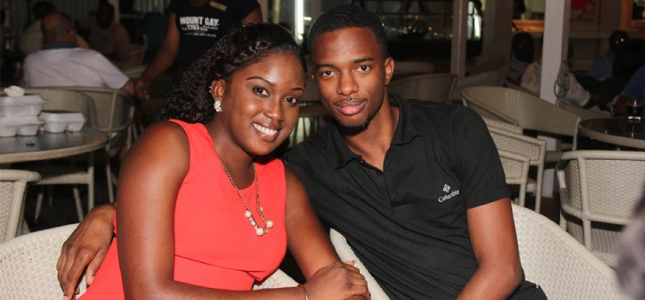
x=558, y=263
x=28, y=265
x=526, y=110
x=13, y=184
x=583, y=113
x=135, y=72
x=137, y=52
x=599, y=188
x=549, y=256
x=407, y=66
x=508, y=137
x=429, y=87
x=72, y=174
x=346, y=253
x=516, y=172
x=115, y=111
x=277, y=280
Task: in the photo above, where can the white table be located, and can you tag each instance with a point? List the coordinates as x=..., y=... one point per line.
x=45, y=145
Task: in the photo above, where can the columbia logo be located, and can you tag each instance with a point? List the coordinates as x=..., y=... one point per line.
x=446, y=188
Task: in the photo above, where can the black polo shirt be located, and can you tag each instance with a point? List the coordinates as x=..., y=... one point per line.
x=407, y=223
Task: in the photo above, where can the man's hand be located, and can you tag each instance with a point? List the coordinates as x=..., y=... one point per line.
x=141, y=86
x=86, y=247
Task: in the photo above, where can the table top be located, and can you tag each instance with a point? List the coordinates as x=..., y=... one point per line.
x=50, y=145
x=615, y=130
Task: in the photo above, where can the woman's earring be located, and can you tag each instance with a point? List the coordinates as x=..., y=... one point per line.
x=217, y=105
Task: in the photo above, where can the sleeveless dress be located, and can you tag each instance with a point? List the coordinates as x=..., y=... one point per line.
x=215, y=245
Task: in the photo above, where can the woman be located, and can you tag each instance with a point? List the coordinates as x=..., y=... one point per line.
x=202, y=212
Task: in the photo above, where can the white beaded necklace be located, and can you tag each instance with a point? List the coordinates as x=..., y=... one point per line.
x=247, y=213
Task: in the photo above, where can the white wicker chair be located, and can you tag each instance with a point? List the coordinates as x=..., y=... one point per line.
x=73, y=174
x=115, y=112
x=28, y=265
x=598, y=188
x=346, y=253
x=516, y=172
x=137, y=52
x=429, y=87
x=407, y=66
x=526, y=110
x=583, y=113
x=13, y=184
x=549, y=256
x=558, y=263
x=135, y=72
x=277, y=280
x=508, y=137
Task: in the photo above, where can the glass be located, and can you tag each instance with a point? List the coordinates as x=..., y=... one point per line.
x=634, y=111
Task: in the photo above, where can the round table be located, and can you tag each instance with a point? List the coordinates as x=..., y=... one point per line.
x=616, y=130
x=50, y=145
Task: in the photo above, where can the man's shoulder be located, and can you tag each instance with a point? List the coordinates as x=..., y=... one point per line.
x=312, y=149
x=435, y=112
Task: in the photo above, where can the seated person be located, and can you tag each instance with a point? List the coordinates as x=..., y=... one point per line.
x=31, y=38
x=62, y=63
x=522, y=55
x=603, y=66
x=108, y=36
x=629, y=77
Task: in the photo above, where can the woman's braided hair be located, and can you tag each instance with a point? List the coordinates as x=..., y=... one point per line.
x=189, y=99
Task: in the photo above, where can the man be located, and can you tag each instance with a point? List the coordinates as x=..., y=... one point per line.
x=417, y=188
x=108, y=36
x=62, y=63
x=31, y=39
x=603, y=66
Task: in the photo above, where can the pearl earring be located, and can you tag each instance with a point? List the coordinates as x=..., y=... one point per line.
x=217, y=105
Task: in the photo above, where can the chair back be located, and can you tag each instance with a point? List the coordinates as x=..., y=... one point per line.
x=58, y=99
x=114, y=110
x=279, y=279
x=13, y=184
x=528, y=111
x=583, y=113
x=135, y=72
x=407, y=66
x=137, y=52
x=603, y=187
x=558, y=263
x=492, y=78
x=429, y=87
x=28, y=265
x=346, y=253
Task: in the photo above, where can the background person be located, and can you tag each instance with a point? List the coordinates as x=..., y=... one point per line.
x=193, y=27
x=63, y=63
x=31, y=39
x=107, y=36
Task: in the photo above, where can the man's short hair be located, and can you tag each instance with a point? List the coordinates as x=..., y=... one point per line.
x=348, y=16
x=58, y=28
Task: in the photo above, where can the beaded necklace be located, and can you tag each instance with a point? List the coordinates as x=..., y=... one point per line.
x=247, y=213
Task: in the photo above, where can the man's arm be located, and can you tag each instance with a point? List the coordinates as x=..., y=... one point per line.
x=86, y=247
x=163, y=60
x=253, y=17
x=492, y=234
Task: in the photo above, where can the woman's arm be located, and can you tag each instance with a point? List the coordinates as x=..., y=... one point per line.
x=492, y=234
x=310, y=246
x=165, y=57
x=253, y=17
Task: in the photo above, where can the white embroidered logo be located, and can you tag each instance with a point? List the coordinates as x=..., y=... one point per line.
x=446, y=189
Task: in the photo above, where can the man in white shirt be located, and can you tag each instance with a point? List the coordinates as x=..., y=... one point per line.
x=31, y=39
x=62, y=63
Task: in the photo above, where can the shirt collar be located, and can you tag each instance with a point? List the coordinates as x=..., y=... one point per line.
x=51, y=46
x=339, y=154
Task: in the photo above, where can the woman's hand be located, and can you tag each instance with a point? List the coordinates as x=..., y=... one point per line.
x=337, y=281
x=85, y=248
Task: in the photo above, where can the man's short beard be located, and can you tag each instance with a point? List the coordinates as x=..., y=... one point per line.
x=353, y=130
